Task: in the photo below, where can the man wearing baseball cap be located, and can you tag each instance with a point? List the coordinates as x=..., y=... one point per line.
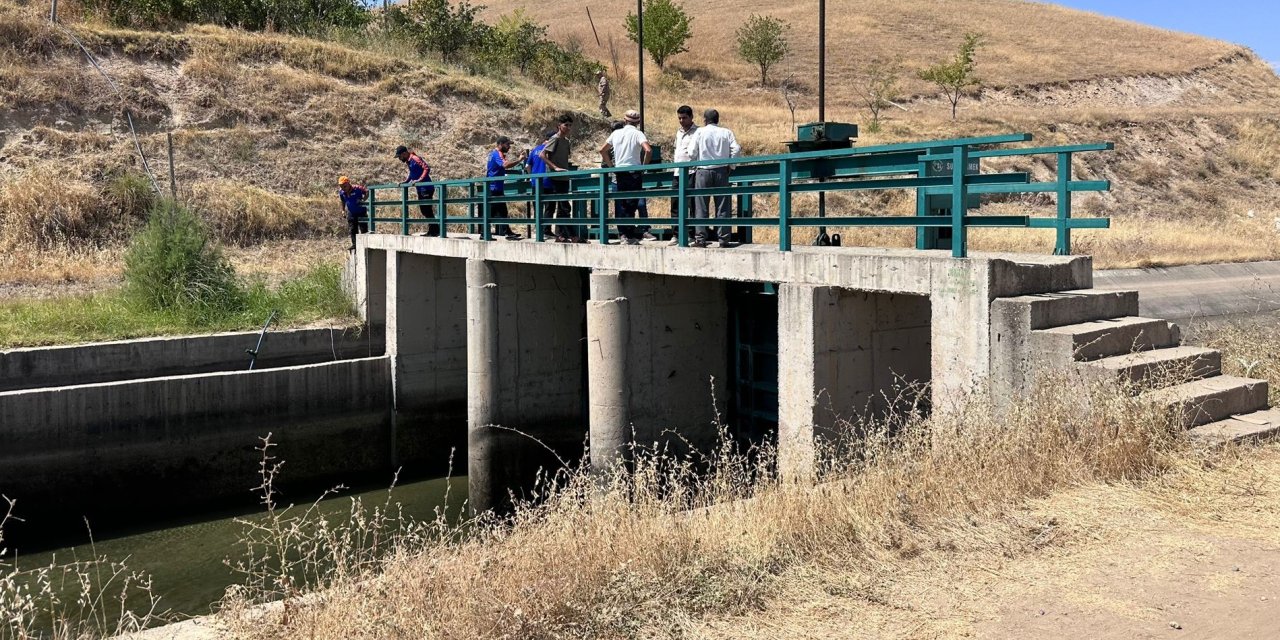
x=352, y=197
x=420, y=171
x=628, y=147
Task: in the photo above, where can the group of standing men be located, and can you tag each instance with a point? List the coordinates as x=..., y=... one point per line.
x=627, y=146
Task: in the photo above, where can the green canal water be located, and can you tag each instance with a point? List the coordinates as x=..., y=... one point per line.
x=187, y=560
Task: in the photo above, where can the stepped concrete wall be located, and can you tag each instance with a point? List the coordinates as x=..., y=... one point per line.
x=39, y=367
x=192, y=438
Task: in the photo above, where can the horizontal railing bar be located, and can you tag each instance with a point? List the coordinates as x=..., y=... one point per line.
x=805, y=155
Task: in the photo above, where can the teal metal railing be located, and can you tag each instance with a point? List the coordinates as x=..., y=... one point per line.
x=941, y=173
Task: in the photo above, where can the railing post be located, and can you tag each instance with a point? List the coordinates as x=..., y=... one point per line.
x=373, y=207
x=959, y=202
x=485, y=232
x=602, y=202
x=744, y=211
x=682, y=207
x=404, y=215
x=1063, y=245
x=922, y=209
x=404, y=202
x=784, y=205
x=441, y=210
x=537, y=209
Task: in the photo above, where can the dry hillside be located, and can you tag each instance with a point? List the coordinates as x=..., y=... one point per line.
x=263, y=123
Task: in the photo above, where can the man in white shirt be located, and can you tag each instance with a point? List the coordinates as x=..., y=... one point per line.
x=712, y=142
x=684, y=136
x=628, y=147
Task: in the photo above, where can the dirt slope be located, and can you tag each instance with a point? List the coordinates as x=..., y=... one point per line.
x=263, y=124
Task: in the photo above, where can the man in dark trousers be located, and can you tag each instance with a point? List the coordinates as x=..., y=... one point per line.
x=556, y=154
x=537, y=165
x=420, y=171
x=352, y=197
x=497, y=167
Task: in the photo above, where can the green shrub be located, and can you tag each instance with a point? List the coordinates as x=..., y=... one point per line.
x=174, y=265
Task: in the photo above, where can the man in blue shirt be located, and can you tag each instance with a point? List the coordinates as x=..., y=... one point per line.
x=497, y=168
x=352, y=197
x=535, y=165
x=420, y=171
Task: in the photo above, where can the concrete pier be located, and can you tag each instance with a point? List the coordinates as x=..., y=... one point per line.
x=608, y=390
x=619, y=347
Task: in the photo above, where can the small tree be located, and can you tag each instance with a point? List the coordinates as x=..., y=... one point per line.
x=518, y=38
x=957, y=75
x=878, y=88
x=666, y=30
x=445, y=29
x=762, y=41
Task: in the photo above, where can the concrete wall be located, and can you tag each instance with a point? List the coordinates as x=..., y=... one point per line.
x=157, y=357
x=140, y=445
x=677, y=357
x=873, y=352
x=526, y=380
x=844, y=354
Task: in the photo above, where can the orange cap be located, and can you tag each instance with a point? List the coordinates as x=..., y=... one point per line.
x=343, y=180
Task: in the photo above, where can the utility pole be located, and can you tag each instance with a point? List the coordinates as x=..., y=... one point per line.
x=640, y=46
x=173, y=180
x=53, y=11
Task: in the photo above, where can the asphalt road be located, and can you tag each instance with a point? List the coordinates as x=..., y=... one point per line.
x=1199, y=292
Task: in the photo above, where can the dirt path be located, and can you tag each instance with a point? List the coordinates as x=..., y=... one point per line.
x=1197, y=557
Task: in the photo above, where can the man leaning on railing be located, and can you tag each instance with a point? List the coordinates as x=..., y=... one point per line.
x=712, y=142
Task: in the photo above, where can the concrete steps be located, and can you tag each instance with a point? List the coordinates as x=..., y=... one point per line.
x=1101, y=333
x=1106, y=337
x=1046, y=310
x=1212, y=399
x=1247, y=427
x=1157, y=365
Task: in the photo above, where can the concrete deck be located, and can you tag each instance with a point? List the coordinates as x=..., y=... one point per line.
x=862, y=268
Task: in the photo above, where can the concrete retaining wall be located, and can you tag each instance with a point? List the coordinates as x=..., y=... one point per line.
x=145, y=444
x=39, y=367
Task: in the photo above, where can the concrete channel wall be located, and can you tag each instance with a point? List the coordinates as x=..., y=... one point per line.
x=192, y=438
x=39, y=367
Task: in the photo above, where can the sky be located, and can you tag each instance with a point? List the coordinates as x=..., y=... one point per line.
x=1253, y=23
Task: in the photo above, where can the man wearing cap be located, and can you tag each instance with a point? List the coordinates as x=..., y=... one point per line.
x=536, y=165
x=497, y=168
x=602, y=90
x=352, y=197
x=556, y=154
x=712, y=142
x=420, y=171
x=628, y=147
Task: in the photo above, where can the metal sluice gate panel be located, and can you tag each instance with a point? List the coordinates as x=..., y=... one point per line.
x=753, y=309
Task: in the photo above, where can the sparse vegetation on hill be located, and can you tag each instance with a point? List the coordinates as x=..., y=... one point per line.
x=263, y=122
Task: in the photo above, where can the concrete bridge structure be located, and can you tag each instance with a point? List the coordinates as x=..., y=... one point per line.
x=543, y=347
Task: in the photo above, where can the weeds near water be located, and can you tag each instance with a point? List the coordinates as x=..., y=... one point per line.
x=92, y=598
x=648, y=548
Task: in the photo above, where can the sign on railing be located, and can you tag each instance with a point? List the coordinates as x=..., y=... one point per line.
x=945, y=174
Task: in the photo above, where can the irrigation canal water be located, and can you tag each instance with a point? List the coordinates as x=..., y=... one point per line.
x=187, y=559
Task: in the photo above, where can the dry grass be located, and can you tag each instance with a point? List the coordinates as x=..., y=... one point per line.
x=267, y=122
x=1029, y=43
x=631, y=560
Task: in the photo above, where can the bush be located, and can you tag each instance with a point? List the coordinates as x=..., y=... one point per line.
x=288, y=16
x=173, y=265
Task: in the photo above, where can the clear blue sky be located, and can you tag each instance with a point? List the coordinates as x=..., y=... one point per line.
x=1253, y=23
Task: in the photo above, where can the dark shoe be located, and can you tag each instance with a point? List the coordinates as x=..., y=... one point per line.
x=562, y=239
x=723, y=244
x=675, y=242
x=701, y=244
x=630, y=241
x=514, y=236
x=648, y=236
